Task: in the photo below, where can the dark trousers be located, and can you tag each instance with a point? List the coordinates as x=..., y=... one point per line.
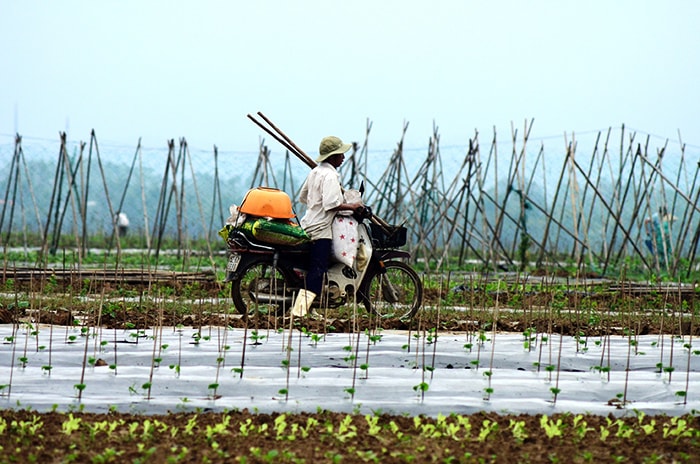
x=318, y=265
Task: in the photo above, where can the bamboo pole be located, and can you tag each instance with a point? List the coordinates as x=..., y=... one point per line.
x=12, y=180
x=112, y=215
x=182, y=237
x=200, y=209
x=216, y=195
x=144, y=203
x=294, y=148
x=623, y=201
x=469, y=159
x=70, y=198
x=86, y=176
x=120, y=205
x=609, y=209
x=30, y=186
x=553, y=208
x=163, y=204
x=599, y=174
x=687, y=220
x=55, y=197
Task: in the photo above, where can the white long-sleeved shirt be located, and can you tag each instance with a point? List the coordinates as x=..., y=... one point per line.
x=320, y=193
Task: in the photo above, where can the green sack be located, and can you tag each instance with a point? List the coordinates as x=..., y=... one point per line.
x=246, y=227
x=278, y=232
x=273, y=232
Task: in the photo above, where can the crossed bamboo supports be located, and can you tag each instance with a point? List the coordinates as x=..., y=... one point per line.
x=526, y=209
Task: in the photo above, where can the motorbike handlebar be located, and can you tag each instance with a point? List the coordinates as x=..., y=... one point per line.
x=363, y=212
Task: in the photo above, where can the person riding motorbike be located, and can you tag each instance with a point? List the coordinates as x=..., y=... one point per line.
x=322, y=194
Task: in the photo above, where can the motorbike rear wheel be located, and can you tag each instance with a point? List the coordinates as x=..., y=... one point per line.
x=396, y=293
x=261, y=289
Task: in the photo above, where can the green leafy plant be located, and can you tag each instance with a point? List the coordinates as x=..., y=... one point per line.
x=551, y=427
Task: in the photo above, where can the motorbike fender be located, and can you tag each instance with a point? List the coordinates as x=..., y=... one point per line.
x=386, y=255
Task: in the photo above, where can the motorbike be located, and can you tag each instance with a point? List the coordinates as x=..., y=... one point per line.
x=265, y=278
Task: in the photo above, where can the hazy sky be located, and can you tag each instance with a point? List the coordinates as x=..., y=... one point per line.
x=169, y=69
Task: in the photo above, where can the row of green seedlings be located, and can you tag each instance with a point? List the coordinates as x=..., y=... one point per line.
x=145, y=433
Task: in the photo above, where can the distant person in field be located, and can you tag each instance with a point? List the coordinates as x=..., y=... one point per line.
x=658, y=236
x=122, y=224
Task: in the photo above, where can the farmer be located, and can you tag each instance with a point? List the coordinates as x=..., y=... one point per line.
x=322, y=194
x=122, y=224
x=658, y=239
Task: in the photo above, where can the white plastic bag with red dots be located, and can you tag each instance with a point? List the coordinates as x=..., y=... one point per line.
x=345, y=239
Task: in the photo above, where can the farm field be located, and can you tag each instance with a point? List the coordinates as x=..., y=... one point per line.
x=487, y=372
x=185, y=394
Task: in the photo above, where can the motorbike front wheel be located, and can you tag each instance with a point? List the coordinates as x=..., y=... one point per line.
x=261, y=289
x=396, y=293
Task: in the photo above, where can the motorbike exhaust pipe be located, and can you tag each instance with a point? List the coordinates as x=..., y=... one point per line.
x=263, y=298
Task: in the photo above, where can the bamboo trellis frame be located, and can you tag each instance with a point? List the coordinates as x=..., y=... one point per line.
x=590, y=217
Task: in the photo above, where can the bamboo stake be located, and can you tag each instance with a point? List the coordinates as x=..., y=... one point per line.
x=577, y=253
x=120, y=205
x=180, y=209
x=144, y=204
x=481, y=174
x=553, y=207
x=161, y=209
x=69, y=200
x=466, y=189
x=283, y=140
x=200, y=208
x=687, y=219
x=30, y=186
x=216, y=195
x=514, y=159
x=605, y=204
x=669, y=182
x=616, y=215
x=677, y=245
x=603, y=251
x=13, y=177
x=295, y=149
x=608, y=247
x=112, y=215
x=85, y=176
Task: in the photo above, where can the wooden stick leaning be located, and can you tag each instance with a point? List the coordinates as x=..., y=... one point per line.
x=283, y=142
x=298, y=151
x=283, y=139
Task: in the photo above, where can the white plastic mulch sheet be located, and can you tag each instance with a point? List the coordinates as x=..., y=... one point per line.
x=386, y=372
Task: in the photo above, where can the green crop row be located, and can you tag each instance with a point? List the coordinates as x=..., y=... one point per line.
x=240, y=436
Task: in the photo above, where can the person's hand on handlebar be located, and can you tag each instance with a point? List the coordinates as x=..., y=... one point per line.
x=363, y=212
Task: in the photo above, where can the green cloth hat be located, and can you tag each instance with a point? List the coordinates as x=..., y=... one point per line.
x=331, y=146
